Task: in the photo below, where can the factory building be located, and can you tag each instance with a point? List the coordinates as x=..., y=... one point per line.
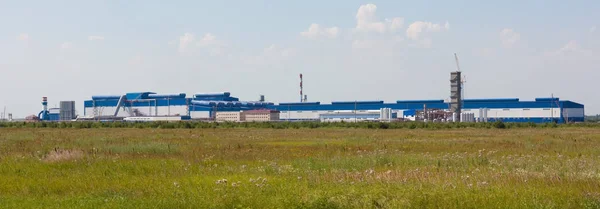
x=258, y=115
x=66, y=112
x=261, y=115
x=231, y=116
x=508, y=110
x=211, y=106
x=202, y=106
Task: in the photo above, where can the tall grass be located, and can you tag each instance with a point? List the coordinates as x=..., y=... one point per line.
x=300, y=168
x=288, y=125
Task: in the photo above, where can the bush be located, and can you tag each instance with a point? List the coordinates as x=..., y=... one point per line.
x=286, y=125
x=499, y=125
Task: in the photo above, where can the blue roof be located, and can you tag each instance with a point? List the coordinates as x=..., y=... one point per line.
x=299, y=103
x=162, y=96
x=546, y=99
x=358, y=102
x=492, y=100
x=105, y=97
x=219, y=94
x=420, y=101
x=138, y=95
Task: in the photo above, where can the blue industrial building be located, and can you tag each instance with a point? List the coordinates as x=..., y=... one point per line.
x=204, y=106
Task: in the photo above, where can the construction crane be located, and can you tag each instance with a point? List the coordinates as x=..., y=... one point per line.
x=463, y=80
x=457, y=65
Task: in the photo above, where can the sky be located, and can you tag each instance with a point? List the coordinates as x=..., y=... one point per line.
x=347, y=50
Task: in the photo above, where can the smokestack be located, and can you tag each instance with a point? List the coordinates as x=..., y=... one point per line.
x=45, y=103
x=301, y=95
x=44, y=115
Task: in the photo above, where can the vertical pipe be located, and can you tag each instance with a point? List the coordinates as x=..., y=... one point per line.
x=301, y=95
x=355, y=111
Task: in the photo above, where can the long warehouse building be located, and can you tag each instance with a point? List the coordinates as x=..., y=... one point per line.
x=205, y=106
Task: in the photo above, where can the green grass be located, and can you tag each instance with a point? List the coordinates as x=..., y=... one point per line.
x=300, y=168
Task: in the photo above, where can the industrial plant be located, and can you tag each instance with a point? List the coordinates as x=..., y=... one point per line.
x=221, y=106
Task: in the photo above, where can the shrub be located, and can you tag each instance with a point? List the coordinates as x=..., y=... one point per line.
x=499, y=125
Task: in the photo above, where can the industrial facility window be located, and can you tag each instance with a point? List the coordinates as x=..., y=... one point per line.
x=299, y=111
x=506, y=109
x=525, y=109
x=546, y=108
x=315, y=111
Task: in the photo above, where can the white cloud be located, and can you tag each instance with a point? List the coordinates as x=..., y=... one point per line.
x=212, y=44
x=314, y=31
x=209, y=43
x=593, y=29
x=207, y=39
x=185, y=40
x=415, y=29
x=572, y=54
x=23, y=37
x=95, y=38
x=395, y=23
x=571, y=48
x=332, y=32
x=66, y=45
x=272, y=54
x=509, y=37
x=367, y=21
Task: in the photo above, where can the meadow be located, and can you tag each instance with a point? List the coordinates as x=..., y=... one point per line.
x=555, y=167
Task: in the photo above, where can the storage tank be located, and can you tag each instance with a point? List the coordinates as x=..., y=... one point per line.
x=67, y=110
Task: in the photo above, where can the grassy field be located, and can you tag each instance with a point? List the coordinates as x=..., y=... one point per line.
x=300, y=168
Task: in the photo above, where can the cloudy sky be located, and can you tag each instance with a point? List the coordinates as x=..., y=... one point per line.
x=346, y=49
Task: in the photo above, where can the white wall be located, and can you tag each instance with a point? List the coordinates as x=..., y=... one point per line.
x=182, y=110
x=518, y=113
x=199, y=114
x=314, y=115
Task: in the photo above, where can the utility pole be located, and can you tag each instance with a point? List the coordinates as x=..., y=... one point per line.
x=355, y=111
x=551, y=109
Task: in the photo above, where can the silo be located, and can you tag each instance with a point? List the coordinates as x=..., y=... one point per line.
x=485, y=117
x=67, y=110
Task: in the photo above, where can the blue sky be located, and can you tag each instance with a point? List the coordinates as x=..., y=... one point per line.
x=347, y=50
